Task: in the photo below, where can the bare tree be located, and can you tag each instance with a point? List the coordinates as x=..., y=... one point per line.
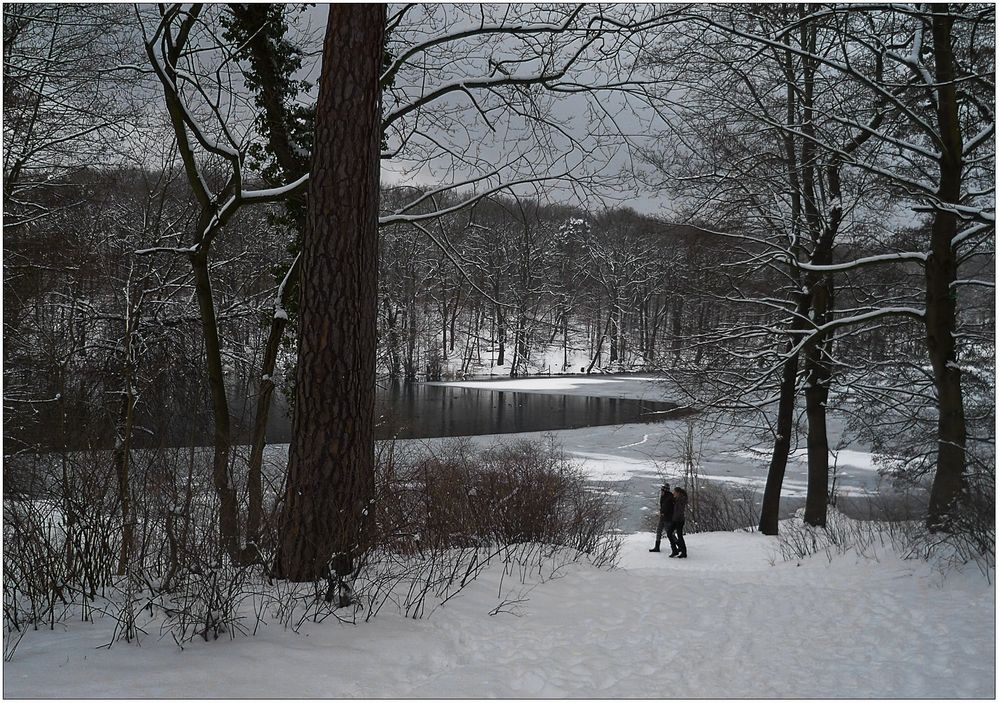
x=881, y=116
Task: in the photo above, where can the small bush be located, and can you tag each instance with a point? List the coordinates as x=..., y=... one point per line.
x=458, y=496
x=717, y=507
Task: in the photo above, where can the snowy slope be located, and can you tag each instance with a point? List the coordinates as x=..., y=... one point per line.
x=731, y=621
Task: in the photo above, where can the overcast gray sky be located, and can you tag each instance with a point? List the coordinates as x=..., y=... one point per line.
x=612, y=157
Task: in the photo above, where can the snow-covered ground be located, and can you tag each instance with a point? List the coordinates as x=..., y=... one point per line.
x=733, y=620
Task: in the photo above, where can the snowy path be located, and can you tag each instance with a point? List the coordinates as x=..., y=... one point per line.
x=724, y=623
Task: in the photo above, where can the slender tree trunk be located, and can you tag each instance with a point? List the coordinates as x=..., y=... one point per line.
x=392, y=322
x=941, y=296
x=520, y=342
x=677, y=327
x=770, y=509
x=331, y=460
x=565, y=339
x=411, y=334
x=123, y=447
x=224, y=489
x=820, y=286
x=454, y=316
x=444, y=321
x=615, y=330
x=293, y=163
x=500, y=335
x=123, y=455
x=258, y=439
x=600, y=344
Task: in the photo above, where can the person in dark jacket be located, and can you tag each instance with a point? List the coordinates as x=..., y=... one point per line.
x=675, y=532
x=665, y=516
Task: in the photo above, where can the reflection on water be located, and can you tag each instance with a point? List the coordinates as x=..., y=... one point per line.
x=415, y=410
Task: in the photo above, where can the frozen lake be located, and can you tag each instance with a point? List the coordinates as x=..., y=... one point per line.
x=631, y=460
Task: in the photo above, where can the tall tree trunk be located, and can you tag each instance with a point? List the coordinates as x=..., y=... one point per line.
x=444, y=322
x=615, y=330
x=520, y=343
x=600, y=344
x=941, y=297
x=331, y=460
x=271, y=85
x=454, y=316
x=500, y=333
x=122, y=463
x=820, y=286
x=123, y=445
x=392, y=322
x=258, y=439
x=565, y=339
x=677, y=327
x=770, y=509
x=409, y=366
x=224, y=489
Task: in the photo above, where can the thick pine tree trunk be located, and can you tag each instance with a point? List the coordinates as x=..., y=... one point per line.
x=941, y=297
x=331, y=460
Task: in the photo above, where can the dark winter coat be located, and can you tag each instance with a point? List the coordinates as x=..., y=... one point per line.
x=679, y=505
x=666, y=505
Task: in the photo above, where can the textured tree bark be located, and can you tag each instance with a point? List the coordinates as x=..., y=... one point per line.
x=500, y=331
x=941, y=297
x=331, y=460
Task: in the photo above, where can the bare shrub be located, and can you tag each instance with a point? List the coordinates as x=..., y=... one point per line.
x=457, y=496
x=440, y=519
x=971, y=536
x=723, y=508
x=446, y=514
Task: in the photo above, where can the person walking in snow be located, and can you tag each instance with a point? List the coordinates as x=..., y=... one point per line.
x=665, y=516
x=675, y=532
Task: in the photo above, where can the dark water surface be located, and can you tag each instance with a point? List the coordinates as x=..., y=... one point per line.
x=414, y=411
